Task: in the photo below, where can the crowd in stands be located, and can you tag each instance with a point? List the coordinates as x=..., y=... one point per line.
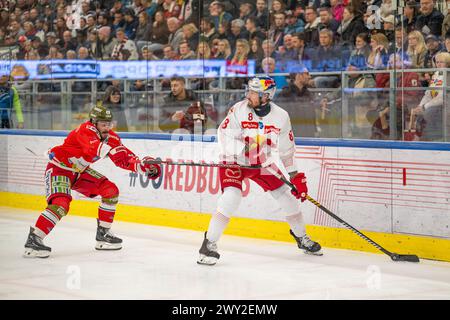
x=282, y=36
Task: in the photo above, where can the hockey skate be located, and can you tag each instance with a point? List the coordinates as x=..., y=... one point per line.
x=34, y=247
x=307, y=245
x=106, y=240
x=208, y=253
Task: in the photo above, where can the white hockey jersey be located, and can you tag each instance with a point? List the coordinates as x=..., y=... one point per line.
x=242, y=122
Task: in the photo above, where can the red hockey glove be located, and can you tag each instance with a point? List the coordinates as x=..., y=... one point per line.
x=257, y=149
x=120, y=156
x=152, y=171
x=299, y=181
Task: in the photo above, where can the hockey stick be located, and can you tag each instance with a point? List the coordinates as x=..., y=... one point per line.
x=394, y=256
x=200, y=164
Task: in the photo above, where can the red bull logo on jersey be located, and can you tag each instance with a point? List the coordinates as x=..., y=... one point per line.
x=249, y=125
x=269, y=129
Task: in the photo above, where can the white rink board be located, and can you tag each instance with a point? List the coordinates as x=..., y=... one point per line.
x=384, y=190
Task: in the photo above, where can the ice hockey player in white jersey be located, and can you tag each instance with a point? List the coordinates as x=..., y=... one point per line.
x=253, y=128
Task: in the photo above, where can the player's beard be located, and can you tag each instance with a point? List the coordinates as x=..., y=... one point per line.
x=104, y=134
x=250, y=104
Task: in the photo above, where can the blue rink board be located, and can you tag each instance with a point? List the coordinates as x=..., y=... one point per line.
x=348, y=143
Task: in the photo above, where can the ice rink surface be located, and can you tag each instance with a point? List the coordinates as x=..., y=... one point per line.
x=160, y=263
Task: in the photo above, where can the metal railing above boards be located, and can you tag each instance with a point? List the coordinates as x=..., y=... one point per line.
x=362, y=104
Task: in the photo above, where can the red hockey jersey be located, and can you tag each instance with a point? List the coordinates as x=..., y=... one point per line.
x=84, y=146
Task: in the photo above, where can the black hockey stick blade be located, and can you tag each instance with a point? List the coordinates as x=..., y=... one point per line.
x=405, y=257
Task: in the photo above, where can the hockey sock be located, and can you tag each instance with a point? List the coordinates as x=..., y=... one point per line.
x=297, y=225
x=48, y=219
x=106, y=212
x=216, y=227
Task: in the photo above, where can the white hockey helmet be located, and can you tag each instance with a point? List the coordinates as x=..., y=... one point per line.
x=263, y=85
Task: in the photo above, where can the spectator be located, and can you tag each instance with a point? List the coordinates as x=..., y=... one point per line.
x=169, y=53
x=268, y=48
x=68, y=43
x=124, y=55
x=190, y=11
x=434, y=46
x=256, y=53
x=298, y=42
x=218, y=14
x=81, y=37
x=286, y=53
x=237, y=32
x=401, y=42
x=137, y=7
x=40, y=32
x=385, y=9
x=276, y=33
x=245, y=11
x=176, y=34
x=93, y=45
x=447, y=42
x=378, y=57
x=203, y=51
x=251, y=25
x=71, y=55
x=124, y=43
x=191, y=35
x=194, y=119
x=416, y=49
x=404, y=101
x=143, y=31
x=9, y=101
x=91, y=22
x=83, y=54
x=185, y=51
x=170, y=9
x=278, y=6
x=327, y=21
x=147, y=54
x=102, y=20
x=269, y=67
x=28, y=28
x=151, y=7
x=430, y=20
x=106, y=43
x=337, y=10
x=327, y=58
x=160, y=31
x=296, y=99
x=241, y=53
x=4, y=18
x=446, y=22
x=118, y=22
x=410, y=13
x=389, y=29
x=293, y=23
x=262, y=15
x=359, y=56
x=208, y=32
x=178, y=99
x=112, y=100
x=223, y=50
x=54, y=54
x=350, y=27
x=130, y=24
x=311, y=27
x=223, y=31
x=430, y=109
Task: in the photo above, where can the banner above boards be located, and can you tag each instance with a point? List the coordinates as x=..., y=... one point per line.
x=92, y=69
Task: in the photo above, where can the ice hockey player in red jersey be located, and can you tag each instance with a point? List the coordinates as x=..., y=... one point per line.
x=68, y=169
x=253, y=127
